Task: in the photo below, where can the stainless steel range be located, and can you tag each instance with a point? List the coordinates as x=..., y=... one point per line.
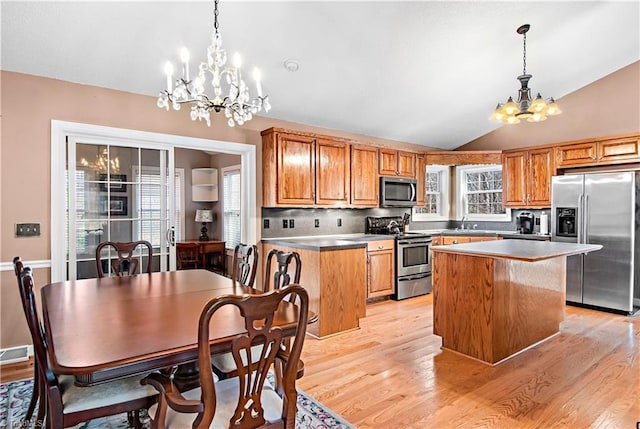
x=413, y=256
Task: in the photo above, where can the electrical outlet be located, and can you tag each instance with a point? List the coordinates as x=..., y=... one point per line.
x=28, y=230
x=538, y=221
x=291, y=223
x=339, y=222
x=266, y=224
x=316, y=223
x=285, y=223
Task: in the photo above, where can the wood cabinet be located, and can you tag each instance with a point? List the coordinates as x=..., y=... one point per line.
x=458, y=239
x=598, y=152
x=365, y=185
x=421, y=166
x=526, y=177
x=380, y=268
x=204, y=184
x=397, y=163
x=303, y=169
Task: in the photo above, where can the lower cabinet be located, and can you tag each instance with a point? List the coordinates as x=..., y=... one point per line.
x=380, y=268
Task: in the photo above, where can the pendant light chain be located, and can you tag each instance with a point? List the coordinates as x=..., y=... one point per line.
x=524, y=53
x=215, y=16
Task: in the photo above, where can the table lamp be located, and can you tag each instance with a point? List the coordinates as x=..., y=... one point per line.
x=204, y=216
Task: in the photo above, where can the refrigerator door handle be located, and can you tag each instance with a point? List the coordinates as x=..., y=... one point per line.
x=580, y=219
x=585, y=235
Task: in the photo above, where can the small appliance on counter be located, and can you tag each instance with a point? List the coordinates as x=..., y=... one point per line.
x=526, y=221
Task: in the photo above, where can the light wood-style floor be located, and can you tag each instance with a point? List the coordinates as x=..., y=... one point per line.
x=392, y=374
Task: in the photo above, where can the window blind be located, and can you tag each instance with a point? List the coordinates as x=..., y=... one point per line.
x=231, y=207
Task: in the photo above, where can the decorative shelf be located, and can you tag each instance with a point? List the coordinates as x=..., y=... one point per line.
x=204, y=184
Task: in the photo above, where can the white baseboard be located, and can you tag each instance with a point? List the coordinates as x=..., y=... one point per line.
x=16, y=354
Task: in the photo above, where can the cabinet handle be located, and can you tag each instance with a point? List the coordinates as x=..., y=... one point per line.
x=380, y=246
x=368, y=261
x=455, y=241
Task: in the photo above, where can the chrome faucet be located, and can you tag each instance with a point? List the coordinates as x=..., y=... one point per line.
x=462, y=224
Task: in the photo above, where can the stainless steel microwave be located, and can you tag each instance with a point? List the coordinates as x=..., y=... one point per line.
x=397, y=192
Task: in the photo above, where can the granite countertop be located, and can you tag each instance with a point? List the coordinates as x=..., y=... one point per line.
x=319, y=243
x=485, y=233
x=523, y=250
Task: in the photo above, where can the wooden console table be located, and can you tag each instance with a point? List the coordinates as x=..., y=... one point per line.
x=211, y=247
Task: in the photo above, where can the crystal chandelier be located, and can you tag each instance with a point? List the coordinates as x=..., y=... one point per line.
x=102, y=162
x=532, y=110
x=235, y=101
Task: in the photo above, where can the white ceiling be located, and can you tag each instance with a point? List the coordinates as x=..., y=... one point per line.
x=428, y=73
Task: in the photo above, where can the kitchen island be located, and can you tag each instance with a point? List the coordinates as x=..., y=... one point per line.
x=494, y=299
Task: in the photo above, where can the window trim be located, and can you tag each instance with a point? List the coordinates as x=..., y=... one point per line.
x=444, y=170
x=460, y=194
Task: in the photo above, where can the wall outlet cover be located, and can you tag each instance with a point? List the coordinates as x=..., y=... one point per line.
x=291, y=223
x=316, y=223
x=265, y=223
x=285, y=223
x=339, y=222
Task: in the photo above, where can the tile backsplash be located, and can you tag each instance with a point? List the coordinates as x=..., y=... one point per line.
x=353, y=221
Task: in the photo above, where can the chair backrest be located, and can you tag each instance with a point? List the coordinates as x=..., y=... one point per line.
x=281, y=276
x=188, y=254
x=245, y=264
x=126, y=264
x=259, y=313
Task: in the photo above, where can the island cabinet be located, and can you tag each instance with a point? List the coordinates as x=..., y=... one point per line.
x=303, y=169
x=380, y=268
x=526, y=177
x=616, y=150
x=493, y=300
x=397, y=163
x=365, y=186
x=333, y=273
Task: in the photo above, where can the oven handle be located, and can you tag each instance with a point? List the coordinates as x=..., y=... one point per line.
x=415, y=277
x=415, y=242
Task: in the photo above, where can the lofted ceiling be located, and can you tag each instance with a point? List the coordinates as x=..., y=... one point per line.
x=427, y=72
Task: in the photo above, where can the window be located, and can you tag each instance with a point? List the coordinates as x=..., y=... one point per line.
x=479, y=193
x=231, y=205
x=436, y=195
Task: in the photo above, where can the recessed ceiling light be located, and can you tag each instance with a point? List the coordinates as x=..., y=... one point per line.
x=291, y=65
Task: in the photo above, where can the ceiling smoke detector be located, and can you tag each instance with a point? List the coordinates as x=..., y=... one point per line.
x=291, y=65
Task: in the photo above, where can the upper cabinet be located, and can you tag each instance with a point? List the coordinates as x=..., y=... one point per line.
x=397, y=163
x=598, y=152
x=365, y=184
x=301, y=169
x=421, y=166
x=204, y=184
x=526, y=178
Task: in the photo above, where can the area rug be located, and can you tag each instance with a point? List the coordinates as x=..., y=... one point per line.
x=14, y=400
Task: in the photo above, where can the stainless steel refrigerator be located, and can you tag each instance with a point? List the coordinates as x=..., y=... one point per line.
x=599, y=208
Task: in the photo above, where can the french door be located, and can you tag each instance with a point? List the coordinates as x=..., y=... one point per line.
x=118, y=191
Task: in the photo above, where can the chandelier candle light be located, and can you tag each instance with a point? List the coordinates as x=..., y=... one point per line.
x=236, y=102
x=532, y=110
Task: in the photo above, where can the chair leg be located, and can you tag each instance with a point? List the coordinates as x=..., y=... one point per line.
x=34, y=393
x=43, y=405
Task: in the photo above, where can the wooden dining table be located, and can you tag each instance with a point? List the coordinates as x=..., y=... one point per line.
x=101, y=329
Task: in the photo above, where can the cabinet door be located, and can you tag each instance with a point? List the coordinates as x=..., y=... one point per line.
x=388, y=162
x=539, y=182
x=332, y=172
x=406, y=164
x=296, y=172
x=364, y=176
x=576, y=154
x=381, y=276
x=623, y=149
x=420, y=180
x=513, y=179
x=455, y=239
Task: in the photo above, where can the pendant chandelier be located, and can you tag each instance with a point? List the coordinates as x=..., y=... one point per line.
x=536, y=110
x=230, y=92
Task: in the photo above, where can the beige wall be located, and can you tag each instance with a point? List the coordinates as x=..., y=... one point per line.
x=28, y=104
x=608, y=106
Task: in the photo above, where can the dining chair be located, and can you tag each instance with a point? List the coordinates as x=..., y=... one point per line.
x=281, y=276
x=188, y=255
x=127, y=263
x=248, y=400
x=66, y=404
x=18, y=268
x=245, y=264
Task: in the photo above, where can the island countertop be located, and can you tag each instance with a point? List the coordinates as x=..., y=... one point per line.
x=521, y=250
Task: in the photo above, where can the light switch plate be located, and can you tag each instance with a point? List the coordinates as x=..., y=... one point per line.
x=28, y=230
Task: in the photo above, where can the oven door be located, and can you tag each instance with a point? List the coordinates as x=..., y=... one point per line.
x=413, y=256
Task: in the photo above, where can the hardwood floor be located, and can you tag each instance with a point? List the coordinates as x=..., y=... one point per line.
x=392, y=374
